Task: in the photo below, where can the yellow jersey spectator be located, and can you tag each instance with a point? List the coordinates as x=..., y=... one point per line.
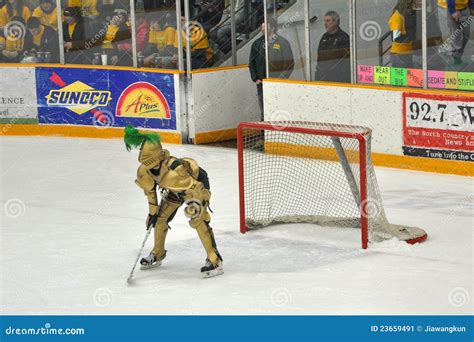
x=41, y=38
x=402, y=24
x=117, y=32
x=14, y=8
x=162, y=38
x=201, y=52
x=88, y=7
x=12, y=43
x=47, y=14
x=161, y=44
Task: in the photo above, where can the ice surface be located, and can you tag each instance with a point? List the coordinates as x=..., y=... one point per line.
x=73, y=221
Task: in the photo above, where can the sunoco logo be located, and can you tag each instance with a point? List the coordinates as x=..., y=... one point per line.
x=78, y=97
x=143, y=100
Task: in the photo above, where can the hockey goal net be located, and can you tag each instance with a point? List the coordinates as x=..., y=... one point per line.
x=321, y=173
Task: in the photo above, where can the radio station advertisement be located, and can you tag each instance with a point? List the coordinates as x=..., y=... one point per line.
x=18, y=96
x=105, y=98
x=438, y=126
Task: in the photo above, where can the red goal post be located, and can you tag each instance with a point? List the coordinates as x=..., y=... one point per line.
x=322, y=173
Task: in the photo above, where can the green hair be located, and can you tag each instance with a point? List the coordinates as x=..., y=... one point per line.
x=134, y=139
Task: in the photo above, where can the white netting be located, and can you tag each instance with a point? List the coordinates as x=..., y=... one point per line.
x=312, y=177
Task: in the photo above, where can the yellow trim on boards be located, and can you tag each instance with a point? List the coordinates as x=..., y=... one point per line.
x=424, y=164
x=232, y=67
x=78, y=132
x=371, y=86
x=215, y=136
x=379, y=159
x=104, y=67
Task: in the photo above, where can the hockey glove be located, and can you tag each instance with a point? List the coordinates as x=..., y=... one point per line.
x=151, y=221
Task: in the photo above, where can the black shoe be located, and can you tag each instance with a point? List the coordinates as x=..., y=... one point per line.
x=149, y=262
x=211, y=270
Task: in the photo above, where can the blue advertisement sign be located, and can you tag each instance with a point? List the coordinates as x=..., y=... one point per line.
x=105, y=98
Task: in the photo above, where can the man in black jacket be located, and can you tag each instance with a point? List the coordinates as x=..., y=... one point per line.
x=41, y=38
x=75, y=38
x=333, y=52
x=281, y=61
x=212, y=11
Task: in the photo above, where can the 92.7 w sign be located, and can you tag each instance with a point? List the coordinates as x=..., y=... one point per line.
x=438, y=121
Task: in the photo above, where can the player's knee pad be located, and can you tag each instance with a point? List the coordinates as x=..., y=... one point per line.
x=203, y=219
x=194, y=209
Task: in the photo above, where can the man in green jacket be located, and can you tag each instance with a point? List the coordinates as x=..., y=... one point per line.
x=281, y=62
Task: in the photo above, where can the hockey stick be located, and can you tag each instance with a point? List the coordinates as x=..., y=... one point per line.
x=129, y=279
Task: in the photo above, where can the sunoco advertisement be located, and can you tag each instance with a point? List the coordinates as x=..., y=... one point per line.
x=107, y=98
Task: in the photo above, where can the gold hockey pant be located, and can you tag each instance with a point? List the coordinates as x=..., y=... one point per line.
x=166, y=213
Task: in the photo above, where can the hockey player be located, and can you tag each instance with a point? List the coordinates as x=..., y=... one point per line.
x=179, y=181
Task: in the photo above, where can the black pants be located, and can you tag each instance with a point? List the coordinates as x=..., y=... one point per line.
x=260, y=99
x=401, y=61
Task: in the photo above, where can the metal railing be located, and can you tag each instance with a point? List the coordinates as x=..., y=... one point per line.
x=383, y=52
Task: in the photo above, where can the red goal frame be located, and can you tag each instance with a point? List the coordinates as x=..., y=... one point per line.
x=361, y=138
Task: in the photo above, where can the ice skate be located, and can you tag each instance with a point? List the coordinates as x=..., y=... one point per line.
x=149, y=262
x=212, y=270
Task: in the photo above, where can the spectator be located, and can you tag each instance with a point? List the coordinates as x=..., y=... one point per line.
x=41, y=38
x=12, y=43
x=454, y=17
x=75, y=40
x=281, y=61
x=402, y=24
x=13, y=8
x=105, y=9
x=193, y=8
x=257, y=13
x=88, y=7
x=161, y=43
x=117, y=31
x=211, y=13
x=333, y=52
x=142, y=32
x=47, y=13
x=248, y=17
x=142, y=35
x=201, y=52
x=157, y=4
